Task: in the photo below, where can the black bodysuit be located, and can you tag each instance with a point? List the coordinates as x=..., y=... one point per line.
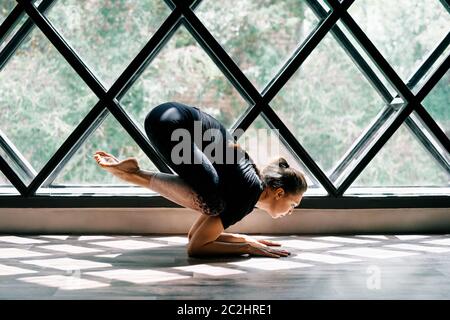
x=229, y=189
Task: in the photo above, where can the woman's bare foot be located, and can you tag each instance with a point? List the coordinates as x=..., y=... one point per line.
x=115, y=166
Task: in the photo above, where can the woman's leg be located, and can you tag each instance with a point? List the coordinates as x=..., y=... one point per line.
x=174, y=188
x=199, y=177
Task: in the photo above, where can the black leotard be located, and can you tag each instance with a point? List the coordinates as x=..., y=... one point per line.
x=229, y=190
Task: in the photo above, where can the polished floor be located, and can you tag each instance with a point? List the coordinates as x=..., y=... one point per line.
x=157, y=267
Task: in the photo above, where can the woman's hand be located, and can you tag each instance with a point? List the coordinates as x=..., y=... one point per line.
x=270, y=243
x=259, y=249
x=266, y=242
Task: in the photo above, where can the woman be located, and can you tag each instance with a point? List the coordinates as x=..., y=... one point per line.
x=223, y=192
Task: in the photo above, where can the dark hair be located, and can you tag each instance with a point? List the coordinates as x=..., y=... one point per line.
x=278, y=174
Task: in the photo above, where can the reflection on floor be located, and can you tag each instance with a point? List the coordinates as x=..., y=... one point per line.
x=157, y=267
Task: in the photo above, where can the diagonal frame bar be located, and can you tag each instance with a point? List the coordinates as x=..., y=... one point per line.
x=11, y=22
x=11, y=175
x=16, y=156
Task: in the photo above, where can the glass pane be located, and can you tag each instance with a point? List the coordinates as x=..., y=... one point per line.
x=6, y=6
x=259, y=35
x=183, y=72
x=403, y=162
x=437, y=103
x=25, y=176
x=11, y=34
x=111, y=137
x=431, y=71
x=108, y=34
x=404, y=31
x=18, y=25
x=264, y=145
x=42, y=100
x=6, y=187
x=3, y=180
x=366, y=58
x=327, y=104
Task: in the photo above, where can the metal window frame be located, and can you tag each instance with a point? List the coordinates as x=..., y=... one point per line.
x=11, y=22
x=182, y=14
x=364, y=140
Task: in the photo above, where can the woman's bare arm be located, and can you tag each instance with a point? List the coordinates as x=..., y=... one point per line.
x=204, y=242
x=232, y=237
x=223, y=237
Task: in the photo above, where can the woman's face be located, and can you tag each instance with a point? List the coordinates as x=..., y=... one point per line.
x=281, y=204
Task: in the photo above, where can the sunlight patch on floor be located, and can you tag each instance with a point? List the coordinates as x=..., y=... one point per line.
x=67, y=264
x=138, y=276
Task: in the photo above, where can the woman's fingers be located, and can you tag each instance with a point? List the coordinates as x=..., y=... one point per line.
x=261, y=249
x=265, y=252
x=274, y=244
x=269, y=254
x=284, y=253
x=270, y=243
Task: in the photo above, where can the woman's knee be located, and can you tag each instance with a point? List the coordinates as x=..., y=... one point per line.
x=153, y=124
x=153, y=117
x=167, y=112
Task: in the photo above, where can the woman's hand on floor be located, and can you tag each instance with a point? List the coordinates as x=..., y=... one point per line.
x=259, y=249
x=270, y=243
x=262, y=241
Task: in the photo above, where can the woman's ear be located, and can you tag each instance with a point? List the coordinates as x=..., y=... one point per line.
x=279, y=192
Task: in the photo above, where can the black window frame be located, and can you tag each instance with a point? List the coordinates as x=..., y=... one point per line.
x=409, y=111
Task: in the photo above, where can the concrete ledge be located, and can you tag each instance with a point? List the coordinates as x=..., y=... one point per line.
x=179, y=220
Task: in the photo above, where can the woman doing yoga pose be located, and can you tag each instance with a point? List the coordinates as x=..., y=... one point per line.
x=223, y=191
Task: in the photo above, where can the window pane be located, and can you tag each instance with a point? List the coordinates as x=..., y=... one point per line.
x=264, y=145
x=437, y=103
x=403, y=162
x=42, y=100
x=258, y=34
x=327, y=104
x=183, y=72
x=108, y=34
x=82, y=169
x=6, y=187
x=366, y=58
x=3, y=180
x=431, y=71
x=11, y=34
x=6, y=6
x=404, y=31
x=25, y=176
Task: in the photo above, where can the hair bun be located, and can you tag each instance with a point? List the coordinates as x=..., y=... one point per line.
x=283, y=163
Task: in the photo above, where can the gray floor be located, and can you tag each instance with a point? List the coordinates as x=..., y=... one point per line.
x=155, y=267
